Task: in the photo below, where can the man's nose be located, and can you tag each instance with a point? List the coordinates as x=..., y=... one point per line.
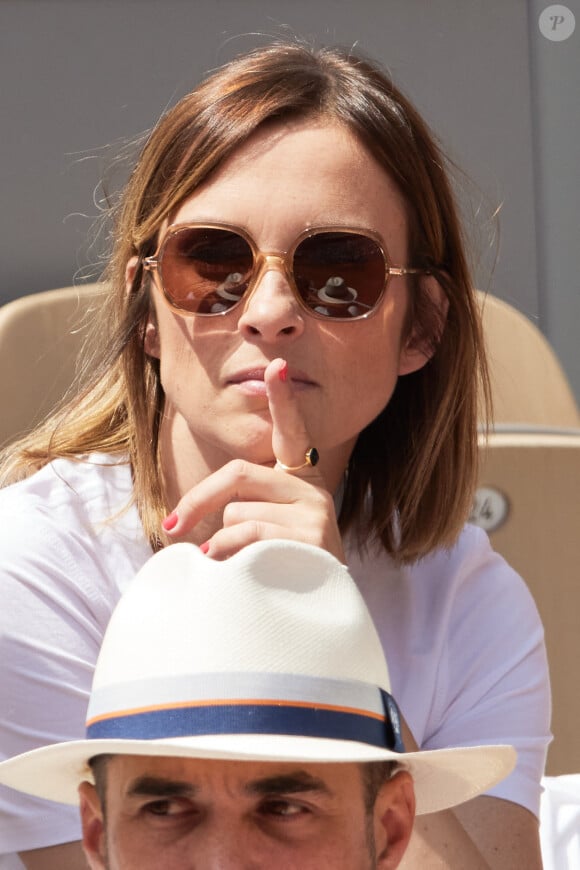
x=227, y=847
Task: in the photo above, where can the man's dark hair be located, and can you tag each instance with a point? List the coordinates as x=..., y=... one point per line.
x=375, y=774
x=98, y=766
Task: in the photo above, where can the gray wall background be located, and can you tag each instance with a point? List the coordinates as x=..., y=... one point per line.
x=82, y=78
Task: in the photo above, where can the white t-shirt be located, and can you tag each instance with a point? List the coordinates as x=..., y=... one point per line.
x=461, y=633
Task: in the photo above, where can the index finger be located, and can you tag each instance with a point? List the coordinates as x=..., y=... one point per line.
x=290, y=438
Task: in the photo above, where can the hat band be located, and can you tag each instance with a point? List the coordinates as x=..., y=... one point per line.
x=245, y=703
x=251, y=718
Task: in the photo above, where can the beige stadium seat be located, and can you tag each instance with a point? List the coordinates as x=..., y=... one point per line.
x=529, y=498
x=529, y=502
x=528, y=383
x=40, y=338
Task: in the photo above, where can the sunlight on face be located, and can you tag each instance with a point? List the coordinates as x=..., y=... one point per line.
x=281, y=181
x=181, y=814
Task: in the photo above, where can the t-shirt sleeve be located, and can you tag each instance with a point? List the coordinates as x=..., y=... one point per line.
x=51, y=623
x=494, y=682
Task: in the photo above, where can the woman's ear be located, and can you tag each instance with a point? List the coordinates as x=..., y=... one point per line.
x=151, y=343
x=393, y=818
x=130, y=270
x=93, y=825
x=426, y=331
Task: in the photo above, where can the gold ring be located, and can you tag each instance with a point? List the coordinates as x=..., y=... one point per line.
x=311, y=457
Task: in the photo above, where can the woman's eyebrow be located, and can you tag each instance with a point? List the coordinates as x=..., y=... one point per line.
x=289, y=783
x=154, y=786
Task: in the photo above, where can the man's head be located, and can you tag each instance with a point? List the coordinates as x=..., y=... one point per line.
x=247, y=702
x=147, y=812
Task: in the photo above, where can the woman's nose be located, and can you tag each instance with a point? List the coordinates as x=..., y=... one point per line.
x=272, y=312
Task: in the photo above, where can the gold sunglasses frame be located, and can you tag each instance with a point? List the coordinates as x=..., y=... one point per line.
x=266, y=260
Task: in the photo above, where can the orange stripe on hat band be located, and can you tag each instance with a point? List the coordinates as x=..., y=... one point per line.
x=231, y=702
x=264, y=717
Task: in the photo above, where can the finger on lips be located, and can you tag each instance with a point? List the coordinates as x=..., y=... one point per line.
x=290, y=440
x=243, y=481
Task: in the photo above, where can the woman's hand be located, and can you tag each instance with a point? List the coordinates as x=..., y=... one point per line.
x=259, y=502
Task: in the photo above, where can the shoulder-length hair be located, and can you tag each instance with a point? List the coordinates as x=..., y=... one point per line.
x=411, y=475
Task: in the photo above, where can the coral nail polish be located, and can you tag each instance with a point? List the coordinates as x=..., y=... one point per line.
x=170, y=522
x=204, y=547
x=283, y=373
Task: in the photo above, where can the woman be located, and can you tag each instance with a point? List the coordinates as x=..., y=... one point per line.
x=292, y=350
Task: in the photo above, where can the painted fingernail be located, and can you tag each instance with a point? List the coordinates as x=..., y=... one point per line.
x=204, y=547
x=170, y=521
x=283, y=373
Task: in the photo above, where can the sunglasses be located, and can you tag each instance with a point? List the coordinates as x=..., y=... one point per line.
x=336, y=273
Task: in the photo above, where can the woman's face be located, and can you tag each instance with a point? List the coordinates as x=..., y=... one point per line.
x=283, y=180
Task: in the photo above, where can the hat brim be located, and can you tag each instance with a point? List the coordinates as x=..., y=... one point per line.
x=442, y=778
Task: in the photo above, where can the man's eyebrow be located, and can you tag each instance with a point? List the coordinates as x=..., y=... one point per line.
x=288, y=783
x=155, y=786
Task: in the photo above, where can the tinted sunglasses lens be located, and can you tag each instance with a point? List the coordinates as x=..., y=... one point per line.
x=205, y=270
x=339, y=274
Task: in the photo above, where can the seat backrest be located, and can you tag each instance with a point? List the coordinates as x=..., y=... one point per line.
x=529, y=502
x=528, y=497
x=40, y=339
x=528, y=383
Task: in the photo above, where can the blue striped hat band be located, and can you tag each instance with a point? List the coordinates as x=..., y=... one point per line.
x=242, y=703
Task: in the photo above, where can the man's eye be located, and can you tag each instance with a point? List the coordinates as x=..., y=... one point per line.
x=167, y=807
x=283, y=809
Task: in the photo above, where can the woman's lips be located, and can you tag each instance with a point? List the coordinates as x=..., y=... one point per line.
x=251, y=381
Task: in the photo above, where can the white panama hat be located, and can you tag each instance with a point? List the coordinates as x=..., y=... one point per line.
x=270, y=655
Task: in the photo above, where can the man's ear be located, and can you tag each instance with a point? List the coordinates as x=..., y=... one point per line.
x=423, y=339
x=92, y=820
x=393, y=817
x=151, y=343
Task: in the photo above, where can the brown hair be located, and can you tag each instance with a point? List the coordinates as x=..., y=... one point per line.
x=410, y=478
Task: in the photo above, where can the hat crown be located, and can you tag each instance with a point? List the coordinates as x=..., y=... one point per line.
x=274, y=607
x=269, y=656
